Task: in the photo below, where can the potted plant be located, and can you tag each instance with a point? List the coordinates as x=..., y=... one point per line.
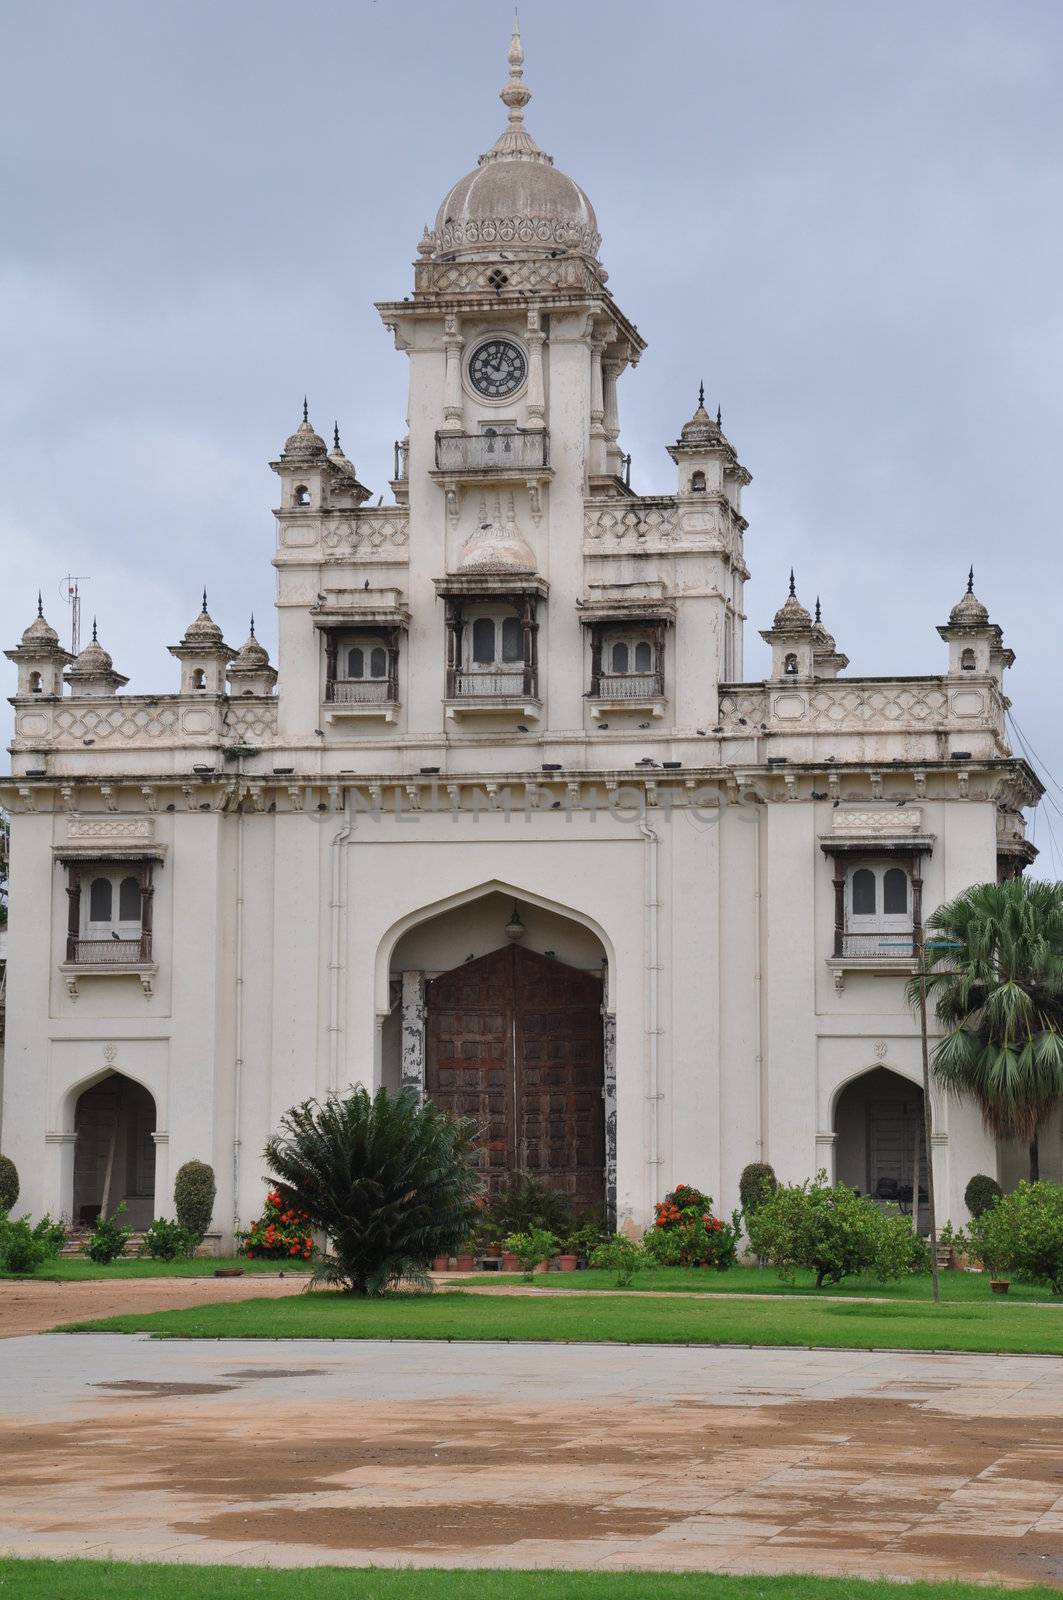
x=464, y=1262
x=441, y=1264
x=584, y=1240
x=567, y=1260
x=510, y=1262
x=532, y=1250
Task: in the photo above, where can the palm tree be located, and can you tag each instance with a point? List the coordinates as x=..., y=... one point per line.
x=391, y=1181
x=993, y=959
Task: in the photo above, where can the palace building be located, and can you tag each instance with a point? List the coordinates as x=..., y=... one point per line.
x=506, y=823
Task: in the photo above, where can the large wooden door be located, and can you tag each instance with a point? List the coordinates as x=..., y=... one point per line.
x=514, y=1039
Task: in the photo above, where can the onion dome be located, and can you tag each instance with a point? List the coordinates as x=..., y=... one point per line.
x=304, y=444
x=39, y=634
x=515, y=196
x=701, y=431
x=825, y=643
x=94, y=658
x=204, y=631
x=792, y=617
x=251, y=656
x=969, y=612
x=92, y=672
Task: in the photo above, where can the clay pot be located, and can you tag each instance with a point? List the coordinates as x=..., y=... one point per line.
x=464, y=1263
x=510, y=1262
x=1000, y=1285
x=567, y=1263
x=544, y=1266
x=441, y=1264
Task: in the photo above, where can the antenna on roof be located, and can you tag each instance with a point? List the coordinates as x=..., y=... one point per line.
x=70, y=592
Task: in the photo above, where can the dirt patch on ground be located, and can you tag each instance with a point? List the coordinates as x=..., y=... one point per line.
x=141, y=1389
x=34, y=1306
x=884, y=1484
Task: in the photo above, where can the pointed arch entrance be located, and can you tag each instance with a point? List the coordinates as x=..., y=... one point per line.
x=514, y=1039
x=114, y=1152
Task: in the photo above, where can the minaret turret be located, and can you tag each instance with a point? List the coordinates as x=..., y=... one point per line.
x=40, y=658
x=792, y=637
x=250, y=671
x=203, y=655
x=976, y=645
x=827, y=659
x=92, y=675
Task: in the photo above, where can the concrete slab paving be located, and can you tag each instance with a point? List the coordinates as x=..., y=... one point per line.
x=428, y=1454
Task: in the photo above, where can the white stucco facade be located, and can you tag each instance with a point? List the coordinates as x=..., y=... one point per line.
x=515, y=688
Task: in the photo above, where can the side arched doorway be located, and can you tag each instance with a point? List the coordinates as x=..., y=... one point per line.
x=880, y=1142
x=515, y=1040
x=114, y=1153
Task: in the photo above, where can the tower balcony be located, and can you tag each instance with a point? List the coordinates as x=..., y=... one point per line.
x=493, y=456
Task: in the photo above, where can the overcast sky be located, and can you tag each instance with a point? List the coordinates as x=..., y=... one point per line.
x=846, y=217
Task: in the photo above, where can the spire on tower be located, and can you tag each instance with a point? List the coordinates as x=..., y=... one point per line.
x=306, y=410
x=40, y=604
x=701, y=395
x=819, y=614
x=204, y=599
x=335, y=436
x=970, y=580
x=252, y=624
x=793, y=586
x=94, y=638
x=515, y=95
x=719, y=416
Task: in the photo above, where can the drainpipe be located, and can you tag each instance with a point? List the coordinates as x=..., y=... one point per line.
x=758, y=992
x=238, y=1024
x=337, y=945
x=653, y=980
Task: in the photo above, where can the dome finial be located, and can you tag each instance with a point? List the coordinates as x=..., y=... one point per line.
x=204, y=599
x=252, y=624
x=701, y=395
x=335, y=436
x=94, y=638
x=819, y=615
x=793, y=586
x=515, y=95
x=306, y=410
x=719, y=416
x=970, y=580
x=40, y=604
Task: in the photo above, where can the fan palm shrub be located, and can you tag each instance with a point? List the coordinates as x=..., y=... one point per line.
x=994, y=971
x=391, y=1182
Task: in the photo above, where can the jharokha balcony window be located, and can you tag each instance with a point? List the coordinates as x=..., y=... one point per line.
x=627, y=657
x=109, y=919
x=492, y=636
x=878, y=897
x=362, y=671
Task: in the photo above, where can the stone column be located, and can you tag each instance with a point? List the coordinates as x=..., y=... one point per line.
x=411, y=1072
x=536, y=391
x=614, y=456
x=59, y=1173
x=452, y=344
x=826, y=1144
x=609, y=1106
x=163, y=1191
x=597, y=458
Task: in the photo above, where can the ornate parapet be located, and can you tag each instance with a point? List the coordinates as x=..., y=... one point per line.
x=368, y=533
x=918, y=717
x=146, y=721
x=661, y=525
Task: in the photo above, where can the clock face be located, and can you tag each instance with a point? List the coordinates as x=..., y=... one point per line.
x=497, y=369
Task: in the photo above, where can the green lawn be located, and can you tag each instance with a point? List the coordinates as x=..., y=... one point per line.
x=900, y=1324
x=955, y=1286
x=73, y=1269
x=105, y=1580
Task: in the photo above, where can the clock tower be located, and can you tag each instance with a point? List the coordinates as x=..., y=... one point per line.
x=515, y=347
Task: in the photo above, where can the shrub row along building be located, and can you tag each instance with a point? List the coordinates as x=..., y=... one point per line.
x=506, y=824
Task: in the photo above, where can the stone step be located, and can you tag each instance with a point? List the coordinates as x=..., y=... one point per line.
x=77, y=1242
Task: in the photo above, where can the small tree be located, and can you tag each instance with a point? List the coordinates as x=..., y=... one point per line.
x=757, y=1184
x=623, y=1256
x=832, y=1231
x=389, y=1179
x=9, y=1184
x=194, y=1190
x=981, y=1193
x=1023, y=1233
x=531, y=1249
x=109, y=1237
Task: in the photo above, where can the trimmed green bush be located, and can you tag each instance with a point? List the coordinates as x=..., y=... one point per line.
x=833, y=1232
x=166, y=1241
x=757, y=1184
x=9, y=1184
x=194, y=1190
x=623, y=1256
x=531, y=1249
x=109, y=1238
x=981, y=1193
x=1023, y=1233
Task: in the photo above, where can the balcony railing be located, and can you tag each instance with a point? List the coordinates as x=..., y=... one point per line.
x=630, y=686
x=492, y=452
x=878, y=946
x=491, y=685
x=109, y=952
x=359, y=691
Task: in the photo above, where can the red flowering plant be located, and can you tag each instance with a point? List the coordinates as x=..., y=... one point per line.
x=687, y=1233
x=280, y=1233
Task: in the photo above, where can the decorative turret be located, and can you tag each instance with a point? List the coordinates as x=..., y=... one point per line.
x=706, y=457
x=250, y=671
x=40, y=658
x=203, y=655
x=793, y=638
x=92, y=675
x=314, y=476
x=827, y=660
x=976, y=645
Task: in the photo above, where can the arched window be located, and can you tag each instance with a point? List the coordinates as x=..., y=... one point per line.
x=301, y=495
x=199, y=678
x=643, y=657
x=790, y=666
x=129, y=900
x=35, y=683
x=864, y=898
x=378, y=663
x=697, y=483
x=512, y=639
x=895, y=892
x=483, y=641
x=355, y=663
x=967, y=661
x=100, y=900
x=620, y=657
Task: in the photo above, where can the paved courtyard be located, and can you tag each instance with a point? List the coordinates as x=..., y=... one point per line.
x=533, y=1455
